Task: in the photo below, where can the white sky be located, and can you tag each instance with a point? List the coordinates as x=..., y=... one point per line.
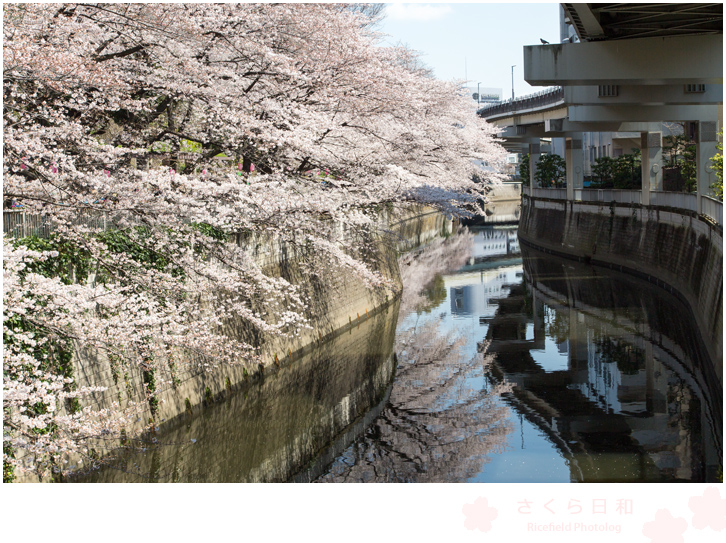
x=486, y=39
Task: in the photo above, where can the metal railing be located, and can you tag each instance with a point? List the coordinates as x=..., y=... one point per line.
x=555, y=194
x=543, y=98
x=20, y=223
x=679, y=200
x=711, y=207
x=620, y=196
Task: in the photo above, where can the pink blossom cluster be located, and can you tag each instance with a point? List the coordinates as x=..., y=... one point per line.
x=283, y=88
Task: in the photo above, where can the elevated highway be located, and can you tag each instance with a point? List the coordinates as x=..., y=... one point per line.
x=631, y=68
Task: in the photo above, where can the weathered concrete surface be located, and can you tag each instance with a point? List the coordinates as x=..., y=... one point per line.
x=276, y=427
x=655, y=322
x=680, y=252
x=339, y=303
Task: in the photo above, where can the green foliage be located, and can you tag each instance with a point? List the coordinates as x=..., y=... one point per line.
x=717, y=167
x=435, y=293
x=188, y=146
x=131, y=243
x=629, y=359
x=623, y=172
x=550, y=171
x=72, y=261
x=55, y=357
x=524, y=170
x=8, y=469
x=603, y=172
x=211, y=231
x=627, y=172
x=679, y=152
x=150, y=382
x=137, y=243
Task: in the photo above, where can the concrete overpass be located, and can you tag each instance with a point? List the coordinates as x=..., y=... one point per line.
x=632, y=67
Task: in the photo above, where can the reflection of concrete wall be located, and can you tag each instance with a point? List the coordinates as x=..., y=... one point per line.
x=338, y=300
x=279, y=425
x=682, y=252
x=417, y=227
x=494, y=242
x=666, y=392
x=479, y=299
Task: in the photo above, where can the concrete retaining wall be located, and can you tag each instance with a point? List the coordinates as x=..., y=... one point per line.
x=339, y=302
x=677, y=250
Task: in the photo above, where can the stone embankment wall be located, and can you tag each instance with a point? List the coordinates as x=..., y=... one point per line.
x=275, y=429
x=505, y=192
x=674, y=249
x=339, y=301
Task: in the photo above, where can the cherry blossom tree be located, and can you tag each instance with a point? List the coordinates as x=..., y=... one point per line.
x=320, y=122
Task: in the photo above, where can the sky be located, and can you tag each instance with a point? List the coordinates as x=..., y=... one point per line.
x=476, y=41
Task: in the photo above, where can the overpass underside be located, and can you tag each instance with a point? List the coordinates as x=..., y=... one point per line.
x=635, y=67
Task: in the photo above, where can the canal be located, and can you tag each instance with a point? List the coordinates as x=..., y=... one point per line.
x=498, y=364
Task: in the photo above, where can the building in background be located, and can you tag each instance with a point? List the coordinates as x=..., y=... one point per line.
x=484, y=95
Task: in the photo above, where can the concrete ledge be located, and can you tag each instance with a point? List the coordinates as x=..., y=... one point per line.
x=678, y=251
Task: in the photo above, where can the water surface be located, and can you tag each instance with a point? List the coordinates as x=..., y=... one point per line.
x=500, y=364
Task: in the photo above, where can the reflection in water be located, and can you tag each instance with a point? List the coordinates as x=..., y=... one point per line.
x=273, y=429
x=443, y=420
x=583, y=375
x=631, y=397
x=508, y=366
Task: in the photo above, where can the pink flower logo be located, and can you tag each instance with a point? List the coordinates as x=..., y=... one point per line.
x=479, y=515
x=709, y=510
x=665, y=528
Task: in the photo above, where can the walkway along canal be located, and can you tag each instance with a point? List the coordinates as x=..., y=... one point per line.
x=497, y=365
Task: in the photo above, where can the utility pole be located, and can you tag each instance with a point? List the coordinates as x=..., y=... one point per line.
x=513, y=83
x=478, y=96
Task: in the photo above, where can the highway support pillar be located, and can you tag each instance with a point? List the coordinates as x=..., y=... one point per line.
x=651, y=153
x=534, y=154
x=706, y=140
x=573, y=165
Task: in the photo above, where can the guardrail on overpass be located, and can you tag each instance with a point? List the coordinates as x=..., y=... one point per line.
x=547, y=97
x=712, y=208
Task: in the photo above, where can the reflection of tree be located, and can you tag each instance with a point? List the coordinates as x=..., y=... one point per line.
x=420, y=268
x=440, y=423
x=630, y=359
x=435, y=293
x=557, y=325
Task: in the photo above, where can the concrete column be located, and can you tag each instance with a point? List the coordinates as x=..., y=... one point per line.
x=534, y=154
x=573, y=165
x=706, y=139
x=651, y=149
x=538, y=319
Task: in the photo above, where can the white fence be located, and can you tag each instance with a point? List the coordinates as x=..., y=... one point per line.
x=556, y=194
x=19, y=223
x=619, y=196
x=679, y=200
x=712, y=208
